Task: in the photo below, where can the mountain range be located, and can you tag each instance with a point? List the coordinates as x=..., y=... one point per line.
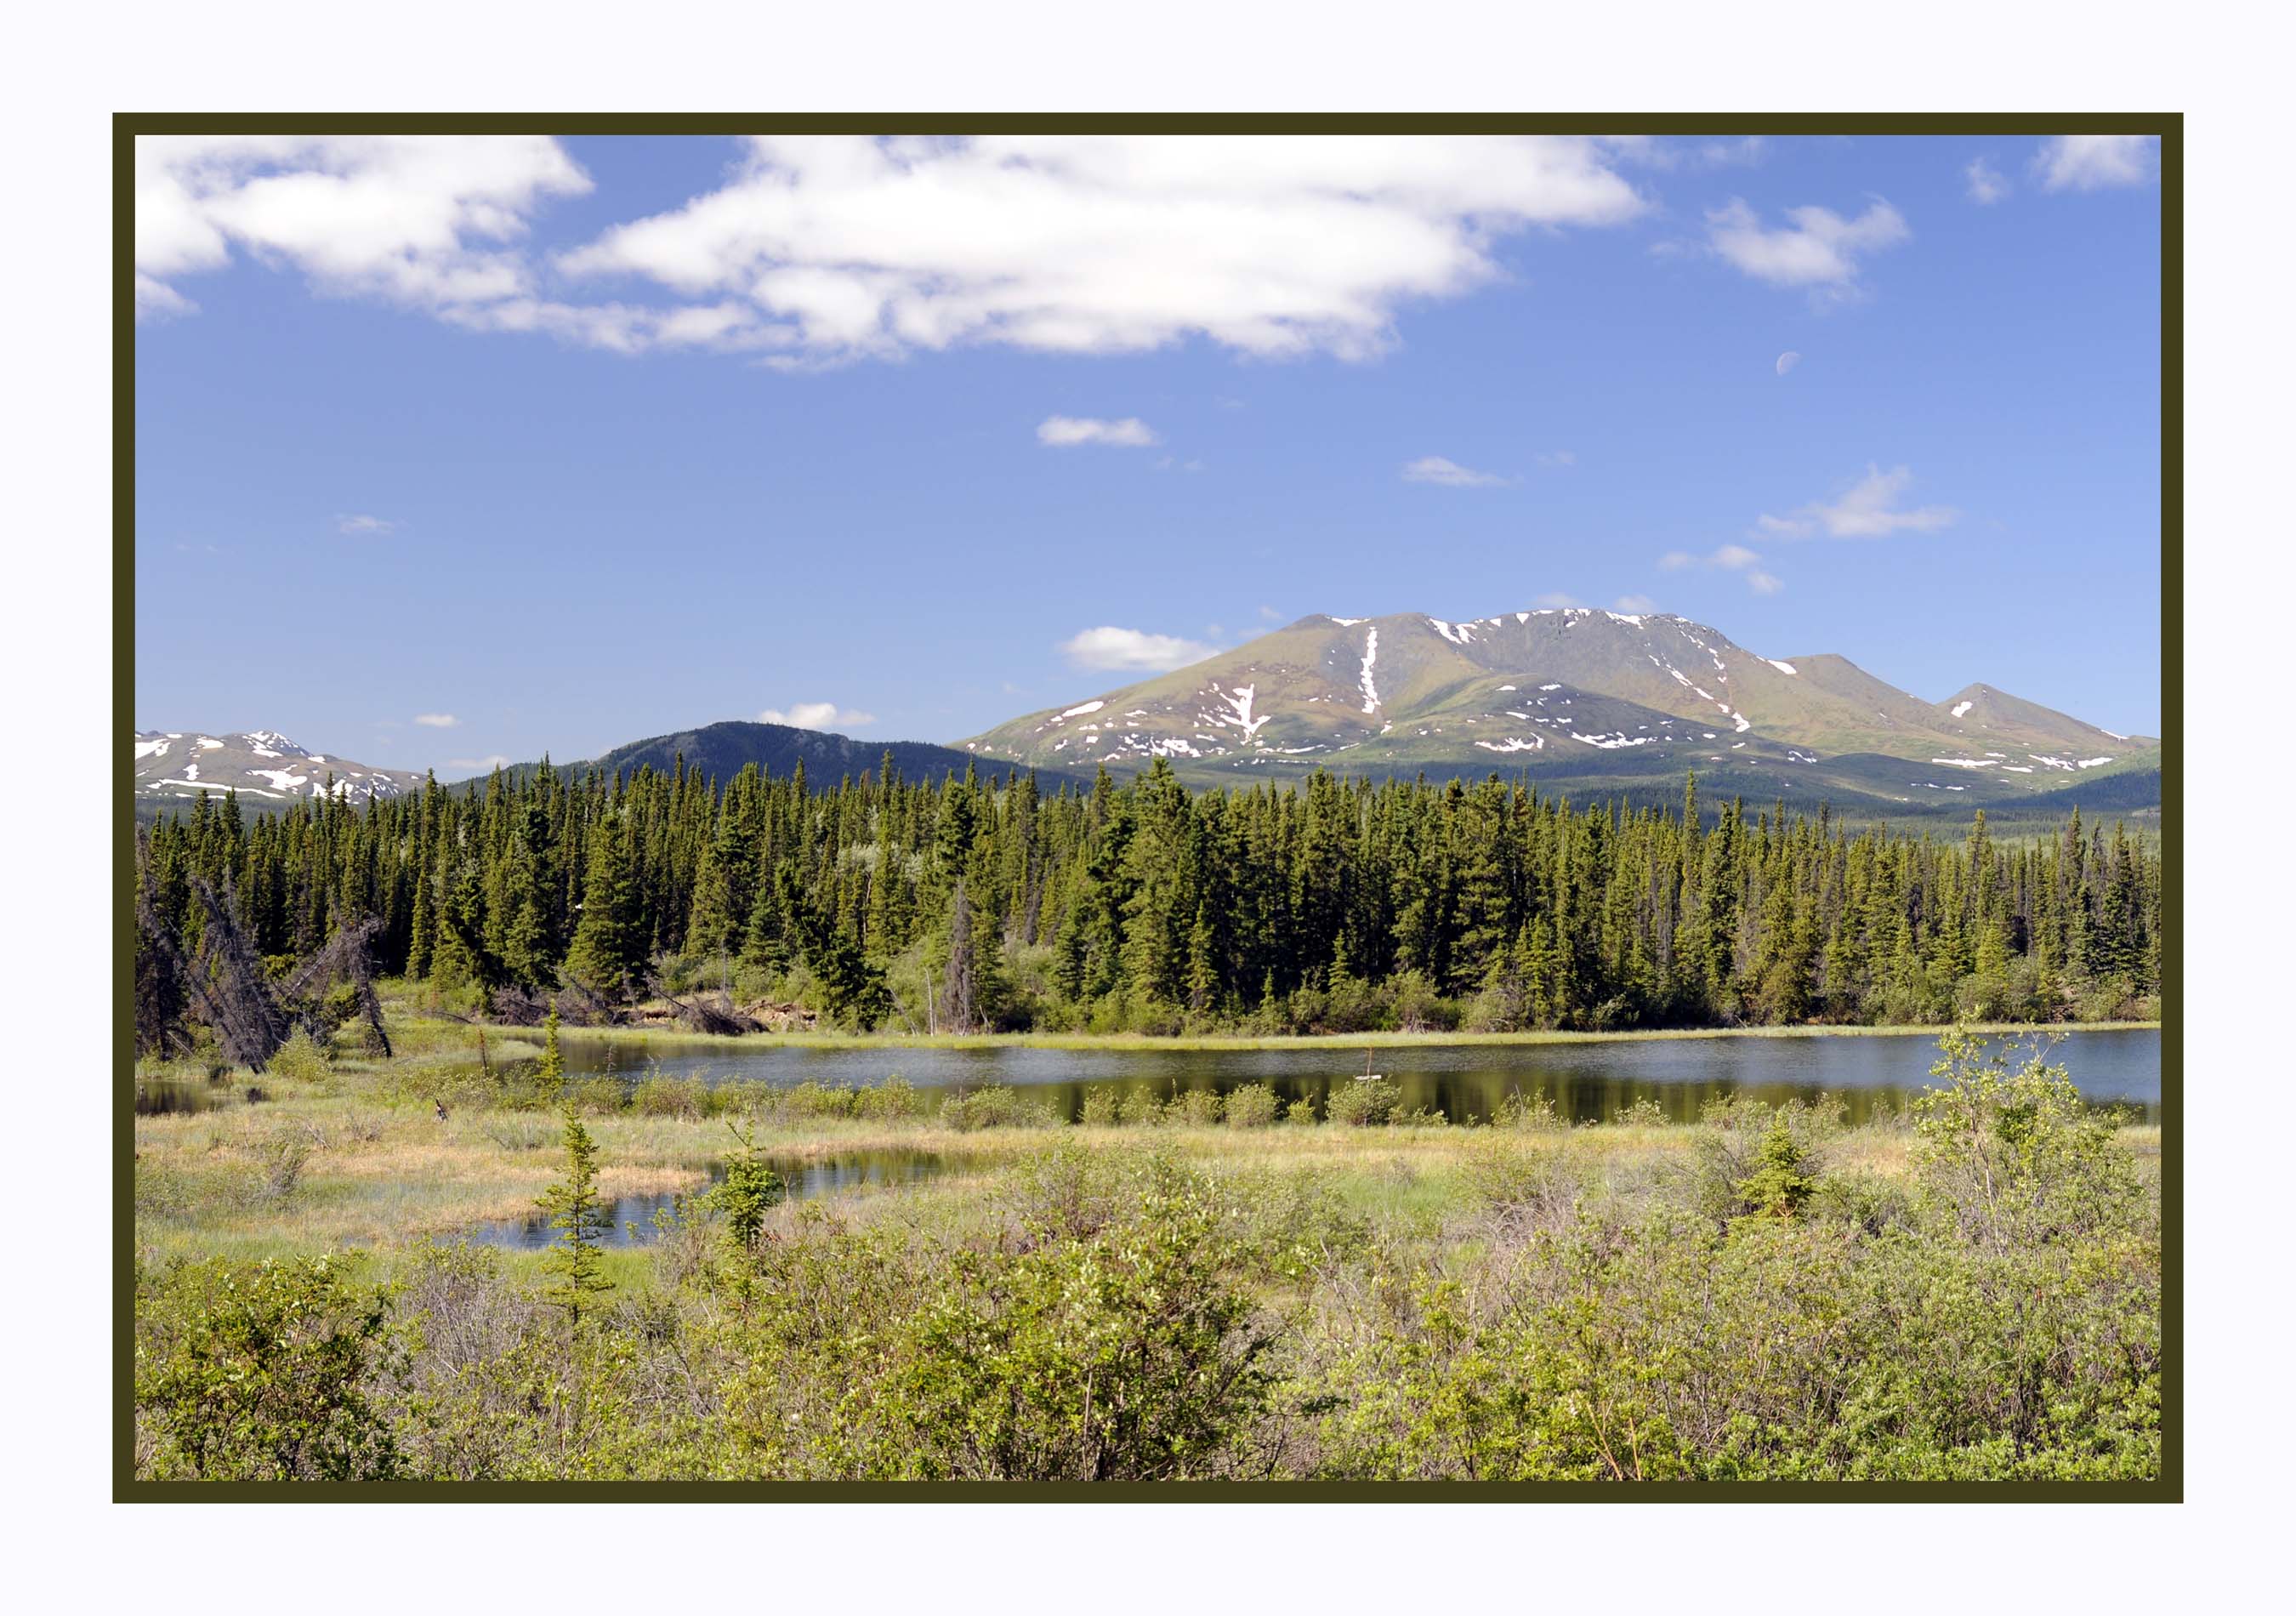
x=1577, y=700
x=1574, y=696
x=266, y=770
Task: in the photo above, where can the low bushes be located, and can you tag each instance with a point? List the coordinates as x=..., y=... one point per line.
x=1253, y=1105
x=1361, y=1103
x=996, y=1106
x=266, y=1372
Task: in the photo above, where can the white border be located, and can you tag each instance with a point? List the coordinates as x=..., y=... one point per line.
x=75, y=67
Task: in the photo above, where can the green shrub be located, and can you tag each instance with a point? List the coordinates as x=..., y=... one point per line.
x=300, y=1059
x=995, y=1106
x=599, y=1096
x=1527, y=1113
x=1139, y=1108
x=1195, y=1108
x=2017, y=1160
x=886, y=1102
x=1300, y=1113
x=749, y=1189
x=1100, y=1107
x=1643, y=1113
x=810, y=1099
x=1361, y=1103
x=1782, y=1180
x=1253, y=1105
x=1128, y=1356
x=263, y=1372
x=661, y=1096
x=1750, y=1158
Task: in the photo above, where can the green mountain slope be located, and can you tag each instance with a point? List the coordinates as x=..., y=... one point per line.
x=722, y=751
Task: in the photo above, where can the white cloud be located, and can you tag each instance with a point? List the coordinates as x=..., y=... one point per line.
x=1673, y=156
x=1635, y=604
x=1557, y=457
x=1556, y=600
x=1268, y=614
x=1987, y=184
x=1729, y=558
x=1066, y=431
x=424, y=221
x=838, y=247
x=1132, y=649
x=2093, y=162
x=157, y=302
x=823, y=249
x=356, y=525
x=1868, y=510
x=817, y=715
x=494, y=761
x=1817, y=249
x=436, y=720
x=1450, y=474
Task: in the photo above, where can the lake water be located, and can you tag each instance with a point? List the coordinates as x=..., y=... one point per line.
x=1587, y=1081
x=804, y=1180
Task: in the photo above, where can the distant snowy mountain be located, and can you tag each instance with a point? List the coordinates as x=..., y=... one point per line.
x=264, y=767
x=1572, y=695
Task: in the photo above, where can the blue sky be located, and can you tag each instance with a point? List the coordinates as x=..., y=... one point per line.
x=508, y=434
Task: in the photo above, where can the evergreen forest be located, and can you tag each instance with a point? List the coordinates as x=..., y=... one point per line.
x=983, y=903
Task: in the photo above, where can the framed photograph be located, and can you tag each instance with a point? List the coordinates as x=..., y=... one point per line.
x=1149, y=807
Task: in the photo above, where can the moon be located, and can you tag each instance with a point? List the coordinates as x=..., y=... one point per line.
x=1787, y=361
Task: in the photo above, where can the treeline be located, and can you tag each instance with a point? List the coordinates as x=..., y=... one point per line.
x=984, y=903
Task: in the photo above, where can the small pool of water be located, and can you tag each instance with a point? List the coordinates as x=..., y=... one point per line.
x=180, y=1096
x=804, y=1179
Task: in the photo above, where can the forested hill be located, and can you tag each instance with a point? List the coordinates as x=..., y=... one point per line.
x=719, y=752
x=1332, y=905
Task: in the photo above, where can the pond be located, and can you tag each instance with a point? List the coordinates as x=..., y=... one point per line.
x=173, y=1096
x=1587, y=1081
x=804, y=1179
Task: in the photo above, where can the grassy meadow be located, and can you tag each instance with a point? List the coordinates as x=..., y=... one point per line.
x=1200, y=1289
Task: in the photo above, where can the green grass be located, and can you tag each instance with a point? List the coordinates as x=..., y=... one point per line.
x=1468, y=1301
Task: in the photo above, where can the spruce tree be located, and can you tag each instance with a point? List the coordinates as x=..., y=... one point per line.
x=607, y=948
x=550, y=1072
x=582, y=1220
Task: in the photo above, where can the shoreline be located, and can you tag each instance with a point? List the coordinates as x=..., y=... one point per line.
x=1134, y=1042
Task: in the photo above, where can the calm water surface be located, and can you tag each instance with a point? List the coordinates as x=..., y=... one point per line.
x=805, y=1180
x=1587, y=1082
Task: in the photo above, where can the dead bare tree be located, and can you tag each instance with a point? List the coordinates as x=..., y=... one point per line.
x=232, y=994
x=720, y=1018
x=348, y=957
x=588, y=1007
x=162, y=987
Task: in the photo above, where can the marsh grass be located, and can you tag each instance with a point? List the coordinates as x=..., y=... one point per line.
x=1411, y=1295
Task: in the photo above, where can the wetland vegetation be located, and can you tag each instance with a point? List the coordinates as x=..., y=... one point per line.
x=1202, y=1285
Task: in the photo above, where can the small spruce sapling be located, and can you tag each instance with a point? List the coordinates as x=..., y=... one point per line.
x=577, y=1214
x=747, y=1190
